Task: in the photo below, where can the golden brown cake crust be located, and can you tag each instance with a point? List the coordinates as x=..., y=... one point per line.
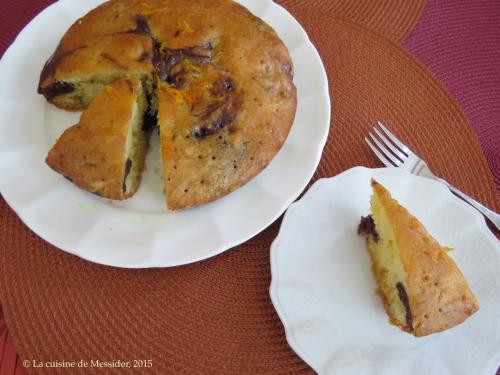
x=92, y=153
x=224, y=78
x=438, y=293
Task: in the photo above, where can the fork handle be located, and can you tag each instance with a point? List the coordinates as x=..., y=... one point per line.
x=491, y=215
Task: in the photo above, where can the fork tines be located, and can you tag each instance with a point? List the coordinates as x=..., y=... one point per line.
x=388, y=148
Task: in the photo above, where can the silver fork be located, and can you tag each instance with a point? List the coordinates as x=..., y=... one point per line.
x=394, y=153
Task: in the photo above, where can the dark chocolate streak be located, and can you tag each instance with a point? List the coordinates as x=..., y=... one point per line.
x=142, y=26
x=144, y=57
x=367, y=227
x=228, y=84
x=165, y=64
x=211, y=108
x=224, y=119
x=56, y=89
x=149, y=120
x=403, y=296
x=113, y=61
x=177, y=80
x=200, y=54
x=128, y=167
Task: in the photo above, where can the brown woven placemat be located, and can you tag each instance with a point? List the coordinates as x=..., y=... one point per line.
x=394, y=19
x=215, y=317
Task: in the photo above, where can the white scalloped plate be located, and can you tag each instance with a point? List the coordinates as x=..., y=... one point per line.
x=139, y=232
x=323, y=290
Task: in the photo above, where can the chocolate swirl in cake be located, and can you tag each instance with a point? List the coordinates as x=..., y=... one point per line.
x=403, y=296
x=367, y=227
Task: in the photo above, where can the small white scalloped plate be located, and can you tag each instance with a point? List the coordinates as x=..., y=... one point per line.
x=323, y=290
x=140, y=232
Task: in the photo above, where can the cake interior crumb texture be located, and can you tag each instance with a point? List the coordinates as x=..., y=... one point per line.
x=136, y=146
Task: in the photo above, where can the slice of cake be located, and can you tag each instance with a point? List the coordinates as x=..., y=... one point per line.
x=104, y=153
x=73, y=77
x=422, y=288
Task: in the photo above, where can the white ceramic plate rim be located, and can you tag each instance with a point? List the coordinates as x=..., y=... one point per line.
x=280, y=20
x=474, y=217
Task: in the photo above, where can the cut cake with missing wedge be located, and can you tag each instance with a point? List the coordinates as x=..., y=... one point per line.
x=105, y=152
x=422, y=288
x=218, y=77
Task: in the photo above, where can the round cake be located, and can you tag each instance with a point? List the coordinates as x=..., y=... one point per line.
x=218, y=80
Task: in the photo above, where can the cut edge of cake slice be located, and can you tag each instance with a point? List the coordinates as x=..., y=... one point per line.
x=137, y=145
x=422, y=288
x=105, y=152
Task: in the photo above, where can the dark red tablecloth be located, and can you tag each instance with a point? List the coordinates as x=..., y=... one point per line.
x=459, y=41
